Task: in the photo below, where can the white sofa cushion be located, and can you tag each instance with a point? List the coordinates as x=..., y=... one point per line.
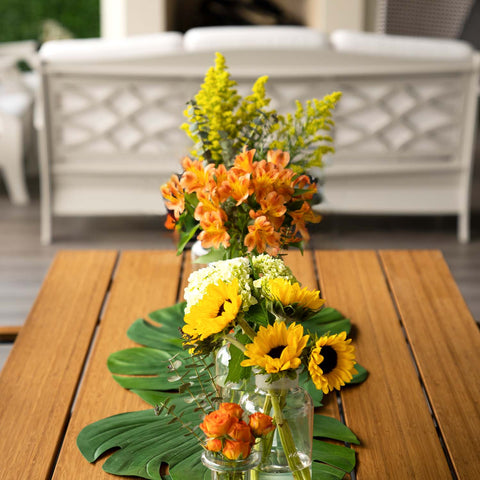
x=400, y=46
x=239, y=37
x=99, y=50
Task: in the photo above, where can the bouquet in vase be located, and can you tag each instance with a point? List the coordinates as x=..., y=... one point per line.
x=246, y=187
x=274, y=333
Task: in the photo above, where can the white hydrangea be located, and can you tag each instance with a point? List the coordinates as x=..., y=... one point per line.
x=268, y=268
x=225, y=270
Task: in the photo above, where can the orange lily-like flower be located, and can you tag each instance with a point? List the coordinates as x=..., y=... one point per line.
x=262, y=235
x=214, y=232
x=264, y=177
x=173, y=194
x=196, y=177
x=309, y=188
x=273, y=205
x=208, y=202
x=303, y=215
x=284, y=183
x=279, y=158
x=244, y=161
x=239, y=186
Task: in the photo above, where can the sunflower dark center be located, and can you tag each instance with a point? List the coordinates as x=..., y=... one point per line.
x=329, y=359
x=222, y=307
x=275, y=352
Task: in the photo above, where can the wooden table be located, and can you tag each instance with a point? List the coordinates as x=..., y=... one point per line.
x=417, y=416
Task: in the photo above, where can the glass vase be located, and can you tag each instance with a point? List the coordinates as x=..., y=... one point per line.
x=286, y=453
x=196, y=252
x=228, y=391
x=224, y=469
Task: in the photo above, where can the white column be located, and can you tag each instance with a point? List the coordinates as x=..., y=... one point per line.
x=122, y=18
x=329, y=15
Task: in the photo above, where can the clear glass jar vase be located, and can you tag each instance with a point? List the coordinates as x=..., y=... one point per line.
x=224, y=469
x=286, y=453
x=228, y=391
x=196, y=252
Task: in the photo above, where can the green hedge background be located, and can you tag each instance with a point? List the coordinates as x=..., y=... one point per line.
x=22, y=19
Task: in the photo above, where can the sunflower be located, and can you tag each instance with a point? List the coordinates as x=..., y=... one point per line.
x=216, y=310
x=332, y=362
x=276, y=348
x=292, y=294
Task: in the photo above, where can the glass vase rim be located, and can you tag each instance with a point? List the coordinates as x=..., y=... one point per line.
x=220, y=465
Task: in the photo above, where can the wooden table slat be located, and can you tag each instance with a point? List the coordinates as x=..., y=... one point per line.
x=144, y=282
x=388, y=412
x=40, y=377
x=445, y=340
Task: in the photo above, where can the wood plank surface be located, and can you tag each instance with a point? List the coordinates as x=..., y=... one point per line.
x=47, y=360
x=9, y=333
x=144, y=281
x=388, y=412
x=446, y=345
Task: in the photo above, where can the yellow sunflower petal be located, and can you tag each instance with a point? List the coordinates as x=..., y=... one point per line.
x=276, y=348
x=332, y=362
x=217, y=310
x=289, y=294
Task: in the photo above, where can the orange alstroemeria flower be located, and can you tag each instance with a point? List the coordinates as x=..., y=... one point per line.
x=303, y=215
x=174, y=197
x=309, y=187
x=264, y=177
x=273, y=205
x=196, y=177
x=244, y=161
x=208, y=202
x=284, y=183
x=239, y=187
x=214, y=232
x=279, y=158
x=262, y=234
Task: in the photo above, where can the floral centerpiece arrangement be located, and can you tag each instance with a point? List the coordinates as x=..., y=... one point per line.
x=246, y=192
x=257, y=306
x=245, y=187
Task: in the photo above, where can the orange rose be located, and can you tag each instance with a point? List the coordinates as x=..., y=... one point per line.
x=241, y=431
x=233, y=409
x=214, y=445
x=217, y=424
x=261, y=424
x=234, y=450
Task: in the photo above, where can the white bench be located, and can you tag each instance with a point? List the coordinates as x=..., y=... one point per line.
x=404, y=127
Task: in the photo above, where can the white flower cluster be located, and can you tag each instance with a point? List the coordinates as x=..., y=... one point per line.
x=225, y=270
x=267, y=268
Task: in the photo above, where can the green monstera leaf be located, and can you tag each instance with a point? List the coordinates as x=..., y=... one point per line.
x=162, y=373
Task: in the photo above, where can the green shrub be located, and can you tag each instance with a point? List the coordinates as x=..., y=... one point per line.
x=23, y=19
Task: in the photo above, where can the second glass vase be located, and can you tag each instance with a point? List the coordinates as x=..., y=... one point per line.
x=286, y=453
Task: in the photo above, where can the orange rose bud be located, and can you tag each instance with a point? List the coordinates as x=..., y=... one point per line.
x=214, y=445
x=241, y=431
x=234, y=450
x=217, y=424
x=261, y=424
x=233, y=409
